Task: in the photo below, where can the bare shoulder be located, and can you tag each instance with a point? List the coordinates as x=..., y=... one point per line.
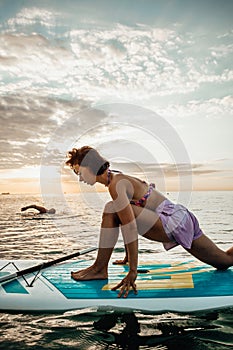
x=118, y=180
x=120, y=184
x=122, y=180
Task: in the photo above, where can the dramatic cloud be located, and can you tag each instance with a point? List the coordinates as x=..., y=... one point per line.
x=27, y=124
x=140, y=61
x=56, y=59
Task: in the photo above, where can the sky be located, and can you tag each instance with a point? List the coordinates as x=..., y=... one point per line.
x=148, y=83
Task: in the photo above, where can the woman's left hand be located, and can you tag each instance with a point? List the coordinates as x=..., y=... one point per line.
x=126, y=283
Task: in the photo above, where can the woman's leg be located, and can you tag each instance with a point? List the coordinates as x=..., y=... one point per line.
x=206, y=250
x=150, y=226
x=148, y=223
x=108, y=237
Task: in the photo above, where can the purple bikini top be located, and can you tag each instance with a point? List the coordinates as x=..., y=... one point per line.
x=140, y=201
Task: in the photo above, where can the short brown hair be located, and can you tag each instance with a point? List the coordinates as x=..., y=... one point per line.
x=88, y=157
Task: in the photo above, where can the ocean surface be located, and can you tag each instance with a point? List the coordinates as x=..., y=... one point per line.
x=75, y=226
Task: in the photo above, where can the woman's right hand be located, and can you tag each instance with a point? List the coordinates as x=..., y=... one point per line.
x=126, y=284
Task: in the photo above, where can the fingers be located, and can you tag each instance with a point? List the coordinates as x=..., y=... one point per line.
x=117, y=286
x=124, y=291
x=125, y=287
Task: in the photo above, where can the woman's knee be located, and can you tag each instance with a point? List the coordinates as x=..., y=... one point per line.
x=110, y=214
x=109, y=208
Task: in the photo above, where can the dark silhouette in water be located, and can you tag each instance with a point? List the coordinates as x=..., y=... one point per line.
x=42, y=210
x=166, y=331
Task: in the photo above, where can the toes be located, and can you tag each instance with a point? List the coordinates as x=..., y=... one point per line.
x=74, y=274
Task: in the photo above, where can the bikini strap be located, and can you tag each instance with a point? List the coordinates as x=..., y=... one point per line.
x=109, y=171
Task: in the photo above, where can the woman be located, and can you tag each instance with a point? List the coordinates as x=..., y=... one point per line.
x=138, y=208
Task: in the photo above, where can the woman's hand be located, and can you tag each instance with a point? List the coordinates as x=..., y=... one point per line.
x=126, y=284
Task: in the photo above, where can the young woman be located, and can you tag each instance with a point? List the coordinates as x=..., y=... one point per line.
x=138, y=208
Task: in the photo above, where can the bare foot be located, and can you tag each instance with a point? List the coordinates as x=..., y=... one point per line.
x=82, y=272
x=91, y=273
x=230, y=252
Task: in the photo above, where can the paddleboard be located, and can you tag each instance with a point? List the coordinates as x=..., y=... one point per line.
x=162, y=286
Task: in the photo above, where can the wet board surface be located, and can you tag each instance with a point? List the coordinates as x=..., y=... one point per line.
x=173, y=286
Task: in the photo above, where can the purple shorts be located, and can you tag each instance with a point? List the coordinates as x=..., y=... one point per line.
x=180, y=225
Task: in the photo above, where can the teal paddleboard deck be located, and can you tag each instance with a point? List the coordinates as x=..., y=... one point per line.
x=162, y=286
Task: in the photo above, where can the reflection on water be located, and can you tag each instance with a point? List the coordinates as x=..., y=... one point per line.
x=110, y=329
x=164, y=331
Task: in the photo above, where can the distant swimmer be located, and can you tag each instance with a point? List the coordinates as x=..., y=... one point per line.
x=41, y=210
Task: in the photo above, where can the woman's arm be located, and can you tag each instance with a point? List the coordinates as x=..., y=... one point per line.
x=42, y=210
x=118, y=189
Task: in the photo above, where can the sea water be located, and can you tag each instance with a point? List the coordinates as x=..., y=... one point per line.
x=75, y=226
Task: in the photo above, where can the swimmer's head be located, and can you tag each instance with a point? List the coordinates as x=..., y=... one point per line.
x=51, y=211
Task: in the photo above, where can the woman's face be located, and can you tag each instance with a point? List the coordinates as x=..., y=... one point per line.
x=85, y=174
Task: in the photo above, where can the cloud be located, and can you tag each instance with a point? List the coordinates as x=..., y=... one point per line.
x=28, y=123
x=32, y=63
x=51, y=67
x=170, y=170
x=130, y=61
x=220, y=108
x=31, y=16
